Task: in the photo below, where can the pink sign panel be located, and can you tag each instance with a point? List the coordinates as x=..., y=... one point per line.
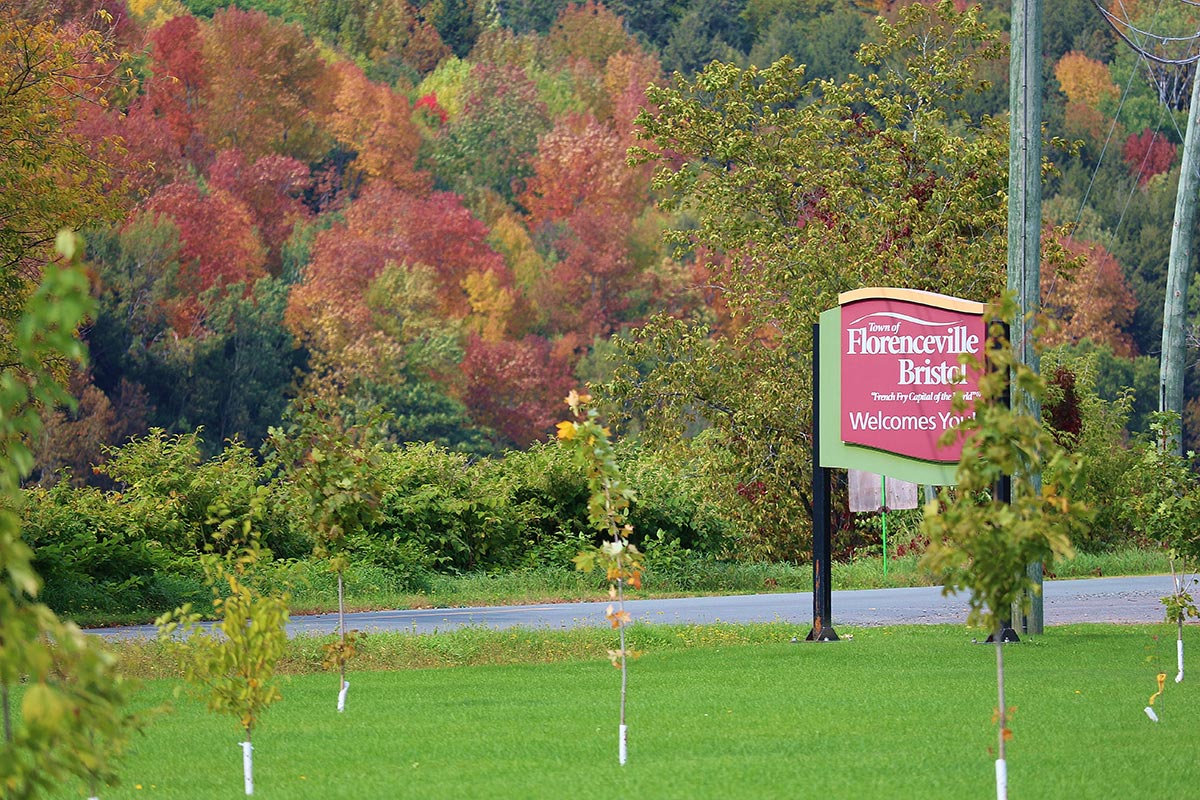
x=900, y=370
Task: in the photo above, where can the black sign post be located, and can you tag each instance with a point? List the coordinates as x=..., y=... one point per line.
x=822, y=628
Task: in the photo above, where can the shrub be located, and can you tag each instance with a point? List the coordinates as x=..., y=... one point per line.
x=1095, y=429
x=437, y=503
x=90, y=552
x=673, y=504
x=177, y=498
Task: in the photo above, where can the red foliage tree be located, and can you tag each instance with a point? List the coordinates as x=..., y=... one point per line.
x=385, y=225
x=583, y=190
x=1148, y=154
x=515, y=388
x=272, y=188
x=218, y=245
x=179, y=84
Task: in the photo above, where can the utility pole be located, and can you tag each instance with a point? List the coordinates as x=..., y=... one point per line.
x=1025, y=218
x=1179, y=270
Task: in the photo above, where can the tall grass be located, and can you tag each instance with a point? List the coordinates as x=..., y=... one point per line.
x=368, y=587
x=902, y=712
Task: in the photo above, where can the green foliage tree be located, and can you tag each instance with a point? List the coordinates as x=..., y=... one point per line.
x=233, y=666
x=825, y=45
x=490, y=143
x=981, y=541
x=1164, y=500
x=1094, y=427
x=72, y=717
x=789, y=192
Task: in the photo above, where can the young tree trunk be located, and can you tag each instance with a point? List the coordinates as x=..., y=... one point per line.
x=1178, y=583
x=1002, y=719
x=342, y=684
x=248, y=763
x=622, y=729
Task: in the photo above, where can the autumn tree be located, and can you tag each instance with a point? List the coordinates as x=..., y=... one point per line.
x=1088, y=299
x=269, y=91
x=232, y=376
x=512, y=387
x=272, y=190
x=404, y=362
x=1085, y=80
x=218, y=245
x=75, y=436
x=385, y=225
x=1148, y=154
x=800, y=191
x=589, y=31
x=375, y=123
x=583, y=198
x=52, y=177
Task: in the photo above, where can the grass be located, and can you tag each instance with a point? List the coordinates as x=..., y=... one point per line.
x=367, y=588
x=899, y=712
x=313, y=588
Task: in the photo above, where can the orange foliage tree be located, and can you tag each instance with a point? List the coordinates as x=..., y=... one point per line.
x=270, y=90
x=1089, y=300
x=583, y=193
x=1084, y=79
x=375, y=122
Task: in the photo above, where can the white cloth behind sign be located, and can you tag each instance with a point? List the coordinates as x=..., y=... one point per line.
x=866, y=492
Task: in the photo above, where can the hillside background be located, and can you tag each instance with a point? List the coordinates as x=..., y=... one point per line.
x=427, y=205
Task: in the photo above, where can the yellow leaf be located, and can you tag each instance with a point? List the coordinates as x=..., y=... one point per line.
x=43, y=706
x=566, y=431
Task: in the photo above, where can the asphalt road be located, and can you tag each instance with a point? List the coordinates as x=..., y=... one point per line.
x=1120, y=600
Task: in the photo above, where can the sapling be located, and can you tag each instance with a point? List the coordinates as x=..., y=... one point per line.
x=608, y=508
x=982, y=544
x=333, y=468
x=1164, y=503
x=233, y=666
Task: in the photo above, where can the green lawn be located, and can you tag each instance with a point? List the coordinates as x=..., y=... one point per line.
x=900, y=712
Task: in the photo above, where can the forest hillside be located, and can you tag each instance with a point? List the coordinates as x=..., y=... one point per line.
x=427, y=207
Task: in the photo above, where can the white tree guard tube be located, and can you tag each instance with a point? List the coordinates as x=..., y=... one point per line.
x=1001, y=779
x=622, y=744
x=1179, y=647
x=342, y=695
x=248, y=766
